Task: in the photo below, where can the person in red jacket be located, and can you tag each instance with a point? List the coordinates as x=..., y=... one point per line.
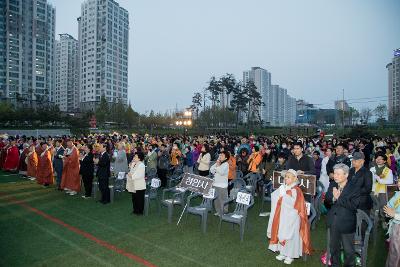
x=12, y=157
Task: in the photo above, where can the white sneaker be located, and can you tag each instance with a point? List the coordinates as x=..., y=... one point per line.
x=216, y=214
x=288, y=261
x=72, y=193
x=280, y=257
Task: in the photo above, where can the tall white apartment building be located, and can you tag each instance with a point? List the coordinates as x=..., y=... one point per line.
x=394, y=86
x=103, y=47
x=27, y=44
x=262, y=80
x=66, y=94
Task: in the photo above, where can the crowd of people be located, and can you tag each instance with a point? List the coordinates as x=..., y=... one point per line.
x=352, y=171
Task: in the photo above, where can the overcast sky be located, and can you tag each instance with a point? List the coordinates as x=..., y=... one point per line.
x=313, y=48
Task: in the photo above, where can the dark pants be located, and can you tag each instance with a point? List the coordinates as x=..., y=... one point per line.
x=204, y=173
x=59, y=175
x=88, y=182
x=105, y=191
x=162, y=174
x=138, y=201
x=347, y=240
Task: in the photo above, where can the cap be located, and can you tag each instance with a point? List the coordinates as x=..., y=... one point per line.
x=358, y=155
x=289, y=171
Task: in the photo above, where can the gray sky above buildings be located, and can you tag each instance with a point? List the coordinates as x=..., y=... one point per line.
x=313, y=48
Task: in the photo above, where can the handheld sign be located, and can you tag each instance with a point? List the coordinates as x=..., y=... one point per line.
x=155, y=183
x=121, y=176
x=243, y=198
x=307, y=183
x=210, y=194
x=196, y=183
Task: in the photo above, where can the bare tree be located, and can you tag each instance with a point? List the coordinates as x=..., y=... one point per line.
x=380, y=111
x=365, y=115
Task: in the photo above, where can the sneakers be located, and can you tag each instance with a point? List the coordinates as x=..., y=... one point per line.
x=288, y=261
x=216, y=214
x=280, y=257
x=72, y=193
x=85, y=197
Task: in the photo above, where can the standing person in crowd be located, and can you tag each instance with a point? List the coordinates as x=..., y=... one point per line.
x=339, y=157
x=22, y=168
x=343, y=200
x=136, y=184
x=232, y=171
x=103, y=173
x=58, y=162
x=392, y=210
x=12, y=156
x=221, y=170
x=317, y=164
x=71, y=181
x=391, y=160
x=204, y=161
x=44, y=173
x=324, y=177
x=187, y=160
x=175, y=155
x=87, y=169
x=151, y=158
x=361, y=177
x=242, y=161
x=254, y=160
x=163, y=164
x=32, y=162
x=288, y=227
x=382, y=176
x=299, y=162
x=280, y=164
x=121, y=161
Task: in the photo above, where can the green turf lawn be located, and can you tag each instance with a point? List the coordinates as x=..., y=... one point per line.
x=28, y=239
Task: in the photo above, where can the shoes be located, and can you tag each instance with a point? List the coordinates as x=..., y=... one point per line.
x=280, y=257
x=288, y=261
x=85, y=197
x=216, y=214
x=72, y=193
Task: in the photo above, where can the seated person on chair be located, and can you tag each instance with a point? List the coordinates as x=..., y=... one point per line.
x=288, y=227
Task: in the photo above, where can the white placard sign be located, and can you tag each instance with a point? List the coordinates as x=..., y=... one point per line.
x=243, y=198
x=308, y=207
x=155, y=183
x=210, y=194
x=121, y=176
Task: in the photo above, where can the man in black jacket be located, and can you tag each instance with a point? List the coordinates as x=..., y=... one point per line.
x=361, y=177
x=87, y=169
x=343, y=199
x=103, y=174
x=299, y=162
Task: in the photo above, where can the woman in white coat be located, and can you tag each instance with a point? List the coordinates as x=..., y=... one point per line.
x=136, y=183
x=221, y=170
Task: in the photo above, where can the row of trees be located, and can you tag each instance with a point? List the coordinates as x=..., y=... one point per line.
x=226, y=100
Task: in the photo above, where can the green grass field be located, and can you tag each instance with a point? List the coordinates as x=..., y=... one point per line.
x=32, y=237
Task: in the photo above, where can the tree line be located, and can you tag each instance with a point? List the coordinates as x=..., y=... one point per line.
x=226, y=102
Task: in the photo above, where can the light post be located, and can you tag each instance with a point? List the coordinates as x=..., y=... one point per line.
x=184, y=120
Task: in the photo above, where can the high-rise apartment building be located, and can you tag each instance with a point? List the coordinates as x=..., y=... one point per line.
x=394, y=86
x=66, y=94
x=279, y=108
x=27, y=46
x=103, y=47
